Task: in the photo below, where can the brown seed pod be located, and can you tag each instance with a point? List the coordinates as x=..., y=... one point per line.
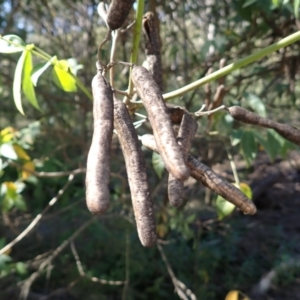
x=288, y=132
x=187, y=131
x=118, y=12
x=210, y=179
x=175, y=112
x=136, y=172
x=98, y=161
x=223, y=188
x=152, y=48
x=160, y=121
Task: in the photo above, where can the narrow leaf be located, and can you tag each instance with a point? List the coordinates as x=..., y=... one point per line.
x=38, y=70
x=63, y=78
x=6, y=47
x=18, y=81
x=27, y=84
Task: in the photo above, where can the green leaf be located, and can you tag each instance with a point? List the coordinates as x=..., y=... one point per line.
x=248, y=3
x=27, y=84
x=38, y=70
x=158, y=164
x=296, y=8
x=8, y=151
x=248, y=147
x=17, y=82
x=236, y=137
x=224, y=208
x=256, y=104
x=6, y=47
x=63, y=78
x=21, y=268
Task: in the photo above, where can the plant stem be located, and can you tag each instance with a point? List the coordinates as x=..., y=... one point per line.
x=236, y=65
x=136, y=42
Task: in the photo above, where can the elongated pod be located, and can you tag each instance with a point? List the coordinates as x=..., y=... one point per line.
x=118, y=12
x=159, y=118
x=288, y=132
x=136, y=172
x=152, y=48
x=187, y=131
x=210, y=179
x=98, y=161
x=223, y=188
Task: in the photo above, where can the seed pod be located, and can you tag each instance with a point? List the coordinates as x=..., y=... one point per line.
x=288, y=132
x=98, y=161
x=175, y=112
x=210, y=179
x=136, y=172
x=223, y=188
x=160, y=121
x=152, y=48
x=118, y=12
x=187, y=131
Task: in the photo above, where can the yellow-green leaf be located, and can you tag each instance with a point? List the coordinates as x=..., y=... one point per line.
x=28, y=169
x=232, y=295
x=7, y=134
x=224, y=208
x=27, y=84
x=21, y=153
x=246, y=189
x=63, y=77
x=17, y=82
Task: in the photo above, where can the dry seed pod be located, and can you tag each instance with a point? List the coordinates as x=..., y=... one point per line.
x=210, y=179
x=160, y=121
x=175, y=112
x=118, y=12
x=223, y=188
x=288, y=132
x=187, y=131
x=98, y=161
x=152, y=48
x=136, y=172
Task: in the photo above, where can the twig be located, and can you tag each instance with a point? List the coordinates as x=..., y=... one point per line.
x=236, y=65
x=115, y=36
x=83, y=274
x=48, y=174
x=208, y=112
x=180, y=288
x=36, y=220
x=28, y=282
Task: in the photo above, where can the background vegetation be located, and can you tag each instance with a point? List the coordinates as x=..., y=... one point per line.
x=200, y=255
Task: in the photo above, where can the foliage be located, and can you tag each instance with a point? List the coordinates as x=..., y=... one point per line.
x=47, y=57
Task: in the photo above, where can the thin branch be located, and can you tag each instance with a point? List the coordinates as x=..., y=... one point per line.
x=200, y=112
x=236, y=65
x=28, y=282
x=180, y=288
x=37, y=219
x=83, y=274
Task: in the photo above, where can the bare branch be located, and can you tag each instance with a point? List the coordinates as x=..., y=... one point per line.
x=83, y=274
x=28, y=282
x=37, y=219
